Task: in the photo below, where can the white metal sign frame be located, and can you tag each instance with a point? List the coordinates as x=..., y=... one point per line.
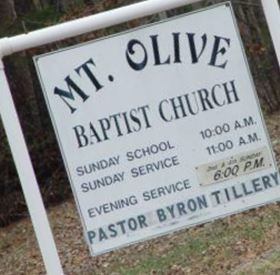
x=10, y=45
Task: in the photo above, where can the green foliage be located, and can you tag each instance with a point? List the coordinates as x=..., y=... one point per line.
x=209, y=248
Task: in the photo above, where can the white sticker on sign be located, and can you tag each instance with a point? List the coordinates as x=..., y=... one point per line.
x=135, y=114
x=234, y=166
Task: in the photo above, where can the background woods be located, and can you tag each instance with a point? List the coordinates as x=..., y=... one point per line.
x=18, y=16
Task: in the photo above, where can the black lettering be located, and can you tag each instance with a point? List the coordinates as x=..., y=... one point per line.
x=137, y=66
x=105, y=126
x=142, y=221
x=161, y=112
x=93, y=133
x=85, y=67
x=214, y=96
x=80, y=136
x=112, y=230
x=195, y=56
x=91, y=236
x=204, y=98
x=218, y=50
x=156, y=52
x=231, y=92
x=161, y=215
x=177, y=54
x=72, y=87
x=181, y=209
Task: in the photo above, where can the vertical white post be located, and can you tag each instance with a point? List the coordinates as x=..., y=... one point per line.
x=27, y=177
x=272, y=14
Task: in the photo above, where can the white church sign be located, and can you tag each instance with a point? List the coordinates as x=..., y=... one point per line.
x=159, y=127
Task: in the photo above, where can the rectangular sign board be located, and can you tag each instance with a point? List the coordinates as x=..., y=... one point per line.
x=159, y=127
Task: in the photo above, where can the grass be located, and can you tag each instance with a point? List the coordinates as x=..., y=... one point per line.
x=214, y=248
x=247, y=243
x=268, y=265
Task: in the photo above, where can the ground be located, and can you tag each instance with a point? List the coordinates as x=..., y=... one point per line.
x=247, y=243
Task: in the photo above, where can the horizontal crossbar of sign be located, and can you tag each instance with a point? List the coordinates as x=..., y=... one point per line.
x=87, y=24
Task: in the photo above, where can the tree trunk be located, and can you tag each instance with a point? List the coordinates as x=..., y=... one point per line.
x=7, y=12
